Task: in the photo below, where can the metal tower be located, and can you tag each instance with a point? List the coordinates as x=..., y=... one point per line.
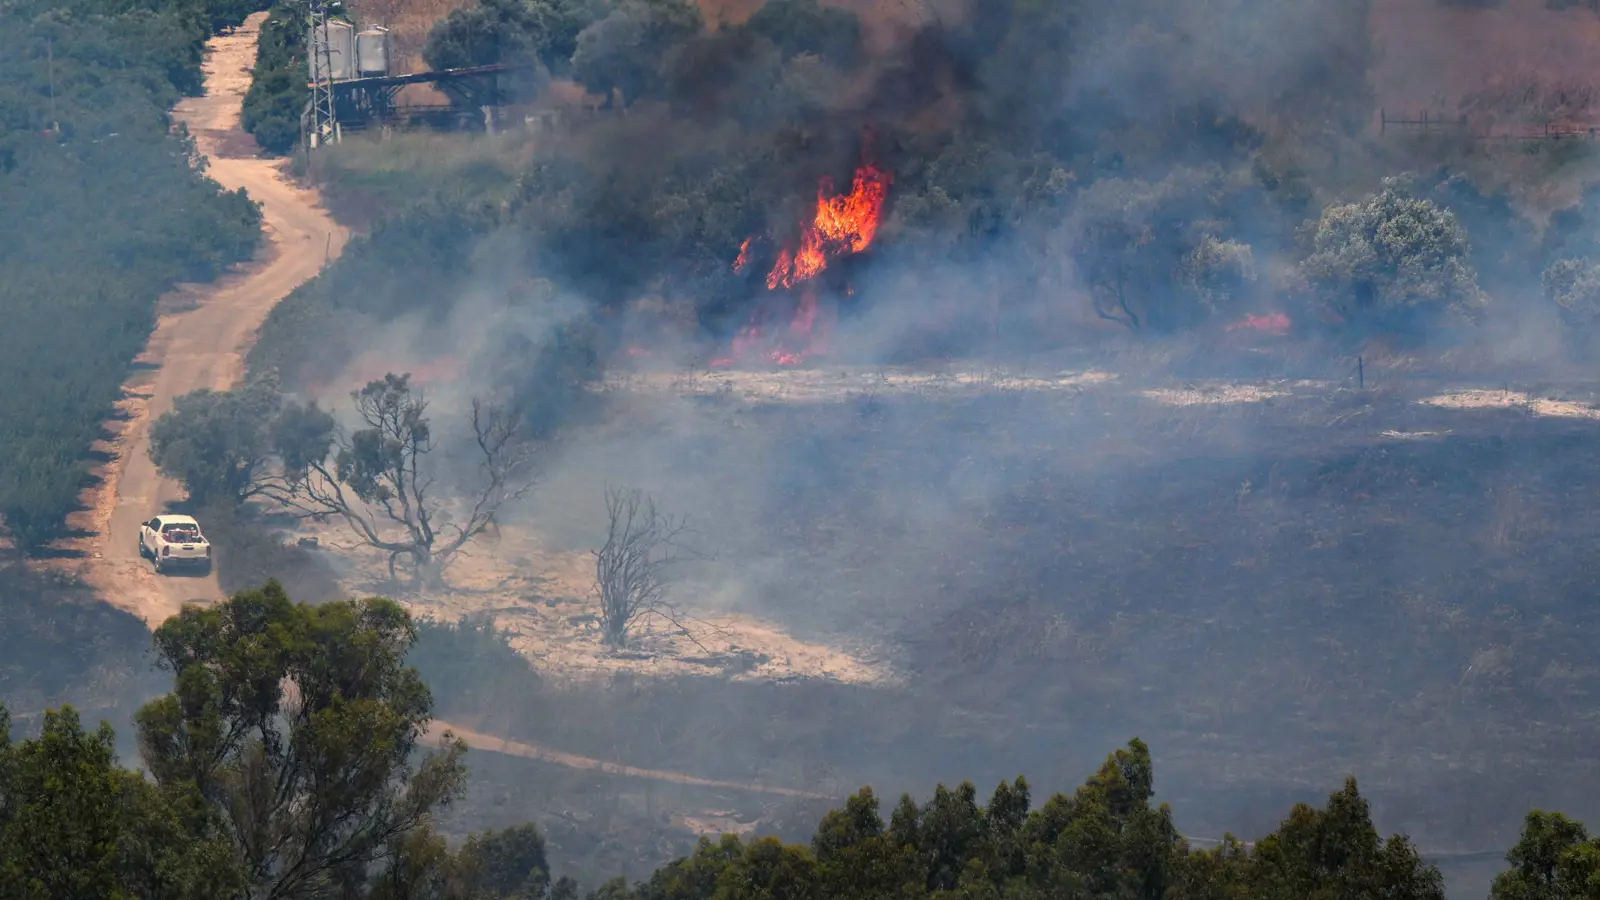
x=324, y=124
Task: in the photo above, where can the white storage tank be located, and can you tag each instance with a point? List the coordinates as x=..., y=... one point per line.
x=340, y=56
x=372, y=51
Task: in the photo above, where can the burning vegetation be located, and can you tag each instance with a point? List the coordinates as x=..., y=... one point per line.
x=843, y=225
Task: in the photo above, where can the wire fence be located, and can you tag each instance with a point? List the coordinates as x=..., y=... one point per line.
x=1463, y=127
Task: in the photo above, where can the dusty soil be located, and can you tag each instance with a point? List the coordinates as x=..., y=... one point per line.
x=202, y=335
x=542, y=596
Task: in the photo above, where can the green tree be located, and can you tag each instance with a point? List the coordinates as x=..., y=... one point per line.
x=1158, y=256
x=218, y=444
x=73, y=823
x=296, y=728
x=1391, y=262
x=510, y=863
x=277, y=95
x=1554, y=859
x=624, y=52
x=1336, y=852
x=511, y=31
x=491, y=865
x=806, y=26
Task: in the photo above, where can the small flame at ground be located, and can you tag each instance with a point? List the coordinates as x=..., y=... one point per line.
x=843, y=224
x=1272, y=323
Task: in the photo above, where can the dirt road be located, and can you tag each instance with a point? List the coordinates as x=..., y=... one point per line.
x=490, y=743
x=204, y=347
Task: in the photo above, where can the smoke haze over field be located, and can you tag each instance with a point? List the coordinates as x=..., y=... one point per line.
x=990, y=476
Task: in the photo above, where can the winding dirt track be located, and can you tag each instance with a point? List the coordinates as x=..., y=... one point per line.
x=204, y=347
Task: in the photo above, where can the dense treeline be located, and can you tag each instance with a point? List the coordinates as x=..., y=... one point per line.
x=102, y=209
x=254, y=792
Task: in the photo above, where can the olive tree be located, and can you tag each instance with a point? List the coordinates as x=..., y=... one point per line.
x=510, y=31
x=1391, y=262
x=1157, y=256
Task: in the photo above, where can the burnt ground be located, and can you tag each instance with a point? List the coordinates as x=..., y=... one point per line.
x=1274, y=586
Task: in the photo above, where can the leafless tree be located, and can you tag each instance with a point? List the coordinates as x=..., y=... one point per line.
x=376, y=479
x=631, y=570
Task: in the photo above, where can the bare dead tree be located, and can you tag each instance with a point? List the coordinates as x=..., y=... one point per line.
x=377, y=480
x=631, y=571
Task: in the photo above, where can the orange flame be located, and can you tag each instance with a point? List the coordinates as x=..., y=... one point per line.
x=843, y=224
x=1273, y=323
x=846, y=223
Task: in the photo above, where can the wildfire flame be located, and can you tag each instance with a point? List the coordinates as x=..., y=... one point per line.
x=846, y=223
x=743, y=262
x=1273, y=323
x=843, y=224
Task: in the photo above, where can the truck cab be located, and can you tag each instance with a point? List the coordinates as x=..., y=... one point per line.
x=174, y=542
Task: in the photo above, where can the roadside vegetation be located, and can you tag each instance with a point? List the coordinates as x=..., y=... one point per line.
x=85, y=91
x=278, y=96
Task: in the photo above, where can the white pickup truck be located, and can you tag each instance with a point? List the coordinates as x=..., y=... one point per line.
x=174, y=541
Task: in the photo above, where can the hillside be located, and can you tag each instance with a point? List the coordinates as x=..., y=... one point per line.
x=1510, y=58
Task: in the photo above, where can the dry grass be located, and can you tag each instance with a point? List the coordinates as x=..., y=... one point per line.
x=543, y=596
x=1435, y=54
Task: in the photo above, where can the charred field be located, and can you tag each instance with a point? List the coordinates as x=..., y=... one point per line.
x=1275, y=583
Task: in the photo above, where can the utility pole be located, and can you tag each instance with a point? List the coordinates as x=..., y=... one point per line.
x=50, y=70
x=324, y=123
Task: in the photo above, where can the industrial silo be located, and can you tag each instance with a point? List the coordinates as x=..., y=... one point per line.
x=336, y=55
x=372, y=51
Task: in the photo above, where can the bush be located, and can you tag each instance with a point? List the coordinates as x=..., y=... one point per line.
x=277, y=95
x=471, y=666
x=1573, y=285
